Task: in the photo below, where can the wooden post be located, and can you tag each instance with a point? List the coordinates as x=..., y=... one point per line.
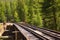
x=15, y=34
x=4, y=26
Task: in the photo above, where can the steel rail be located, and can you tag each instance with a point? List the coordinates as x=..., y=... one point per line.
x=47, y=32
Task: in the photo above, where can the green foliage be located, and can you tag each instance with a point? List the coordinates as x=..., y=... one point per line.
x=41, y=13
x=2, y=11
x=16, y=18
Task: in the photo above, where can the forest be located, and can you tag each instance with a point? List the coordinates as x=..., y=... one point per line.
x=41, y=13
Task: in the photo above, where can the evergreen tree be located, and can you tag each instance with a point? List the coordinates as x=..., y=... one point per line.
x=2, y=12
x=57, y=4
x=49, y=17
x=16, y=18
x=42, y=13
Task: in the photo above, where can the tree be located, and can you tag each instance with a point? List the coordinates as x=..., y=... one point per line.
x=57, y=4
x=49, y=14
x=2, y=12
x=16, y=18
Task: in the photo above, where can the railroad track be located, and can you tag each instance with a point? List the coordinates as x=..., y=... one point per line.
x=39, y=37
x=50, y=35
x=29, y=32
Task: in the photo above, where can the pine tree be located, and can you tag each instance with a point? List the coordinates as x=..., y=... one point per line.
x=49, y=17
x=2, y=11
x=57, y=4
x=16, y=18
